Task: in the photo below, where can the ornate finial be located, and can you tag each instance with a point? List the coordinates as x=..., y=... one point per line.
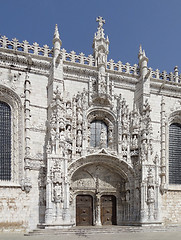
x=56, y=34
x=101, y=22
x=140, y=49
x=56, y=40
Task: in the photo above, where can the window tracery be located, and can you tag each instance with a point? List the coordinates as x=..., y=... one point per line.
x=5, y=141
x=175, y=153
x=99, y=134
x=11, y=126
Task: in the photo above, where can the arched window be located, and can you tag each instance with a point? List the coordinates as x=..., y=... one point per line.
x=99, y=134
x=175, y=153
x=5, y=141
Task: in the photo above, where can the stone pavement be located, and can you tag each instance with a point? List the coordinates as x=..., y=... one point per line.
x=176, y=235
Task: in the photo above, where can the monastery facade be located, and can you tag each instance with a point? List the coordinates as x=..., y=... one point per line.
x=86, y=141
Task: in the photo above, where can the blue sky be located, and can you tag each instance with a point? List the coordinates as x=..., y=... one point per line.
x=156, y=24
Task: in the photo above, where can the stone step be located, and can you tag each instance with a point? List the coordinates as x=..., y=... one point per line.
x=101, y=230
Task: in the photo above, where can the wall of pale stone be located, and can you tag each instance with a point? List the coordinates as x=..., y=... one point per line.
x=19, y=211
x=14, y=209
x=171, y=207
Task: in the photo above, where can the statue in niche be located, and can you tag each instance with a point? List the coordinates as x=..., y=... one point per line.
x=124, y=143
x=68, y=133
x=69, y=111
x=79, y=138
x=134, y=143
x=151, y=194
x=62, y=136
x=101, y=58
x=53, y=135
x=124, y=107
x=103, y=138
x=57, y=192
x=144, y=148
x=79, y=116
x=125, y=123
x=79, y=102
x=135, y=121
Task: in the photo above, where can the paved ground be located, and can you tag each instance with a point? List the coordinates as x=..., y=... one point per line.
x=175, y=235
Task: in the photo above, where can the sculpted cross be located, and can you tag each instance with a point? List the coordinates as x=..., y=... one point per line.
x=101, y=21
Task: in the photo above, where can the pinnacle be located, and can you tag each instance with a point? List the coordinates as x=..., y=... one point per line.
x=140, y=49
x=56, y=34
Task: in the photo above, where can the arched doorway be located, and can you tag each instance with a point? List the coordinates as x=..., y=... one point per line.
x=108, y=210
x=84, y=210
x=99, y=195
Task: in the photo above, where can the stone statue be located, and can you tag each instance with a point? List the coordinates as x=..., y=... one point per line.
x=68, y=111
x=79, y=116
x=125, y=123
x=124, y=143
x=151, y=193
x=134, y=142
x=62, y=136
x=57, y=192
x=68, y=133
x=79, y=138
x=103, y=138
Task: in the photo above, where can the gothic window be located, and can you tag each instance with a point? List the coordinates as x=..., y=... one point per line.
x=175, y=153
x=99, y=134
x=5, y=141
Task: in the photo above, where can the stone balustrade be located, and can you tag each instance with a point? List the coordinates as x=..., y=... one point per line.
x=170, y=77
x=45, y=51
x=74, y=58
x=25, y=47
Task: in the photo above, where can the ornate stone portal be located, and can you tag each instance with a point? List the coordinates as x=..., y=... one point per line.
x=97, y=128
x=94, y=137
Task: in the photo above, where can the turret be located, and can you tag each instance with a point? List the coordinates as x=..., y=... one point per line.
x=143, y=61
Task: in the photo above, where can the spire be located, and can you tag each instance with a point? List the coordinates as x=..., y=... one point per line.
x=100, y=44
x=56, y=42
x=143, y=60
x=56, y=34
x=140, y=50
x=56, y=37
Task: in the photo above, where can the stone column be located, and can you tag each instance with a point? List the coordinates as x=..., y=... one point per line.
x=98, y=210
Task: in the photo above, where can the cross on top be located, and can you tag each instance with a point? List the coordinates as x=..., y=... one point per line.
x=101, y=21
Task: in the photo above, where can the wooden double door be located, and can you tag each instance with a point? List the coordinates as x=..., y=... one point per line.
x=84, y=210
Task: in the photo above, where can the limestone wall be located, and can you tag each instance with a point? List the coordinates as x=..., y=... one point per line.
x=14, y=209
x=171, y=207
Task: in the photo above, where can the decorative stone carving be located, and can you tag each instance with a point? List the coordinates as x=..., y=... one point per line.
x=79, y=138
x=26, y=184
x=57, y=193
x=103, y=138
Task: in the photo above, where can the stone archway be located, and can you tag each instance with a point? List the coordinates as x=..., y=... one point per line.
x=104, y=183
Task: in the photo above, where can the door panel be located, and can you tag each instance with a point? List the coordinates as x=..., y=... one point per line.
x=108, y=210
x=84, y=210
